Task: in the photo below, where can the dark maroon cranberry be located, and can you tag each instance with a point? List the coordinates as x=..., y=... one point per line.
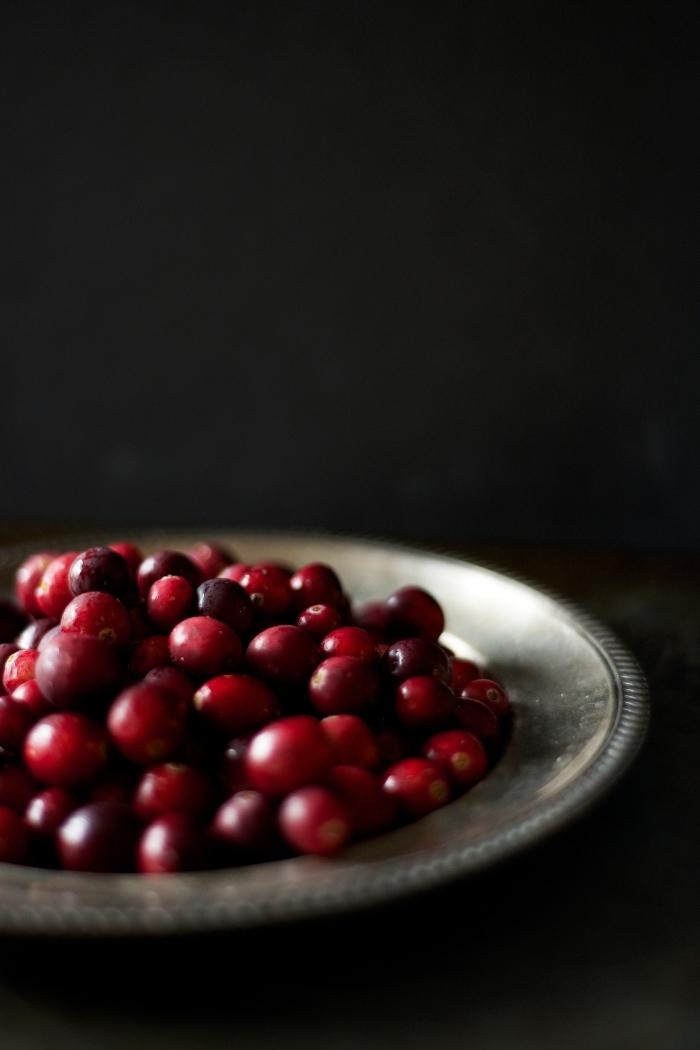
x=148, y=654
x=6, y=650
x=343, y=685
x=16, y=787
x=172, y=843
x=490, y=693
x=424, y=703
x=353, y=742
x=12, y=620
x=226, y=601
x=235, y=572
x=268, y=589
x=319, y=620
x=287, y=754
x=393, y=746
x=314, y=820
x=19, y=667
x=99, y=569
x=146, y=723
x=417, y=785
x=99, y=615
x=29, y=696
x=172, y=788
x=15, y=722
x=203, y=647
x=477, y=718
x=170, y=600
x=316, y=584
x=66, y=749
x=350, y=641
x=27, y=579
x=463, y=672
x=283, y=655
x=374, y=617
x=411, y=657
x=247, y=821
x=210, y=559
x=174, y=681
x=74, y=668
x=415, y=612
x=98, y=837
x=232, y=771
x=370, y=808
x=47, y=811
x=14, y=838
x=34, y=632
x=131, y=555
x=459, y=754
x=236, y=703
x=53, y=592
x=166, y=563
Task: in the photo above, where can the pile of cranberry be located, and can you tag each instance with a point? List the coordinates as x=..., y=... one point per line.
x=182, y=711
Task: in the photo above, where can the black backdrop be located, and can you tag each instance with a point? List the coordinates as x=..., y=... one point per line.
x=424, y=270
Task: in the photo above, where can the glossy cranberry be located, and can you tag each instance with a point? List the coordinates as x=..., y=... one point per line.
x=34, y=632
x=370, y=808
x=170, y=599
x=319, y=620
x=47, y=810
x=29, y=696
x=459, y=754
x=314, y=820
x=235, y=572
x=315, y=584
x=415, y=612
x=98, y=837
x=350, y=641
x=210, y=559
x=247, y=821
x=14, y=838
x=99, y=569
x=166, y=563
x=417, y=785
x=174, y=681
x=27, y=579
x=66, y=749
x=148, y=654
x=146, y=723
x=131, y=554
x=283, y=655
x=17, y=787
x=287, y=754
x=12, y=620
x=19, y=667
x=203, y=647
x=236, y=703
x=477, y=718
x=99, y=615
x=6, y=651
x=53, y=591
x=172, y=843
x=411, y=657
x=268, y=589
x=226, y=601
x=343, y=685
x=393, y=746
x=374, y=617
x=172, y=788
x=233, y=775
x=75, y=668
x=353, y=742
x=15, y=722
x=463, y=672
x=424, y=703
x=490, y=693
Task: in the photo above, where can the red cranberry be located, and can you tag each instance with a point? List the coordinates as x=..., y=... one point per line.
x=236, y=703
x=99, y=569
x=415, y=612
x=172, y=843
x=6, y=651
x=459, y=754
x=174, y=681
x=147, y=724
x=235, y=572
x=232, y=772
x=350, y=641
x=98, y=837
x=352, y=740
x=169, y=600
x=343, y=685
x=47, y=811
x=148, y=654
x=374, y=617
x=12, y=621
x=66, y=749
x=29, y=696
x=131, y=555
x=28, y=578
x=424, y=703
x=226, y=601
x=210, y=558
x=16, y=788
x=53, y=592
x=247, y=821
x=411, y=657
x=313, y=820
x=15, y=722
x=283, y=655
x=166, y=563
x=370, y=808
x=99, y=615
x=490, y=693
x=19, y=667
x=477, y=718
x=393, y=746
x=319, y=620
x=268, y=588
x=417, y=785
x=287, y=754
x=463, y=672
x=14, y=838
x=316, y=584
x=74, y=668
x=203, y=647
x=172, y=788
x=34, y=632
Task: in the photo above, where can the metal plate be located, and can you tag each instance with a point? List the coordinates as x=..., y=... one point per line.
x=581, y=712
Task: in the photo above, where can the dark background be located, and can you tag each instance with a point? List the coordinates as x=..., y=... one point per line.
x=426, y=270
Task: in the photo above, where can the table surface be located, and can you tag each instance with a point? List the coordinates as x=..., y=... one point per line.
x=589, y=940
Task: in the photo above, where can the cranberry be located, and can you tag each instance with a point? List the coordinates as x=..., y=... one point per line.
x=352, y=740
x=74, y=668
x=47, y=810
x=477, y=718
x=66, y=749
x=34, y=632
x=16, y=788
x=12, y=621
x=283, y=655
x=490, y=693
x=287, y=754
x=166, y=563
x=343, y=685
x=169, y=600
x=99, y=569
x=459, y=754
x=415, y=612
x=232, y=773
x=45, y=639
x=423, y=703
x=226, y=601
x=172, y=788
x=172, y=843
x=131, y=555
x=29, y=696
x=203, y=647
x=247, y=821
x=463, y=672
x=14, y=837
x=98, y=837
x=53, y=592
x=15, y=722
x=148, y=654
x=147, y=723
x=371, y=809
x=374, y=617
x=313, y=820
x=99, y=615
x=6, y=651
x=417, y=785
x=210, y=558
x=319, y=620
x=268, y=588
x=236, y=703
x=393, y=746
x=28, y=578
x=350, y=641
x=235, y=572
x=316, y=584
x=19, y=667
x=174, y=681
x=411, y=657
